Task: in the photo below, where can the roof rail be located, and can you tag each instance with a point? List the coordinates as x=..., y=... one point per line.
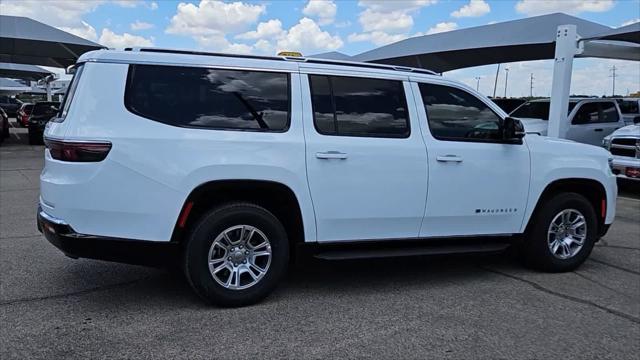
x=288, y=58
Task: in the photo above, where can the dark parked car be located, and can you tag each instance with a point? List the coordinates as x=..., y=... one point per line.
x=508, y=104
x=4, y=125
x=40, y=115
x=23, y=114
x=10, y=105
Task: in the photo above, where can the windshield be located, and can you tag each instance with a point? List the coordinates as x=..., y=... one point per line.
x=536, y=110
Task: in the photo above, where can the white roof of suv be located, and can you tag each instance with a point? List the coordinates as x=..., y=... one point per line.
x=195, y=58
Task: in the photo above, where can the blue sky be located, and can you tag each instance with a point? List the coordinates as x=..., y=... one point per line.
x=264, y=27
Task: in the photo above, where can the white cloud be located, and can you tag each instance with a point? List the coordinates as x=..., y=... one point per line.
x=378, y=38
x=539, y=7
x=153, y=5
x=84, y=31
x=629, y=22
x=67, y=13
x=323, y=10
x=386, y=21
x=474, y=8
x=119, y=41
x=211, y=17
x=265, y=30
x=389, y=5
x=442, y=27
x=307, y=37
x=127, y=3
x=141, y=25
x=393, y=22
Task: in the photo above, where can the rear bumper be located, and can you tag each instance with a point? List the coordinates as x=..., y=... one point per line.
x=75, y=245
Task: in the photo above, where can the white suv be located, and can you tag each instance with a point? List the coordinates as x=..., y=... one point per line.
x=229, y=163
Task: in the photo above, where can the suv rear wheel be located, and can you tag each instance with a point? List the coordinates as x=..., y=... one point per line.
x=562, y=234
x=236, y=254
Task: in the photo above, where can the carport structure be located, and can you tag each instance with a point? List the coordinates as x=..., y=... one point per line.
x=25, y=42
x=556, y=36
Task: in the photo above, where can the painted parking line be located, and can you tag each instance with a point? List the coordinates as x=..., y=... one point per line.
x=14, y=134
x=628, y=198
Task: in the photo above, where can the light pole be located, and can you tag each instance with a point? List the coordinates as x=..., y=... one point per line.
x=478, y=83
x=506, y=81
x=531, y=85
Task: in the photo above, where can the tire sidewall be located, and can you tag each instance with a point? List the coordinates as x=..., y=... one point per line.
x=538, y=239
x=209, y=227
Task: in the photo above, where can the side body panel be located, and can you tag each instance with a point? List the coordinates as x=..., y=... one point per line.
x=378, y=191
x=557, y=159
x=483, y=193
x=138, y=191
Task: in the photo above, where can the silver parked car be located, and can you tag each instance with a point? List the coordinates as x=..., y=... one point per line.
x=590, y=119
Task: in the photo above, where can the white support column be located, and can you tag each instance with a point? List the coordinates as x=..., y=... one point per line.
x=48, y=84
x=566, y=49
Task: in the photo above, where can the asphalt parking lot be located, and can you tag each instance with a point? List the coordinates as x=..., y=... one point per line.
x=461, y=308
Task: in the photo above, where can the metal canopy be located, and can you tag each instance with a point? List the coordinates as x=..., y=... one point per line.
x=26, y=41
x=518, y=40
x=332, y=55
x=10, y=86
x=22, y=71
x=629, y=33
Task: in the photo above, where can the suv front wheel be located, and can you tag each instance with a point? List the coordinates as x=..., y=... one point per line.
x=562, y=234
x=236, y=254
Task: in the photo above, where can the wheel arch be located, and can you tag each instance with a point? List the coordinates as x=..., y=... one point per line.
x=274, y=196
x=593, y=190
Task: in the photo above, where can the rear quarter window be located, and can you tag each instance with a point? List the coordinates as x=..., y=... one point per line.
x=210, y=98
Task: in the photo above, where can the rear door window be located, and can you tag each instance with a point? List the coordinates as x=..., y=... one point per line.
x=609, y=112
x=353, y=106
x=209, y=98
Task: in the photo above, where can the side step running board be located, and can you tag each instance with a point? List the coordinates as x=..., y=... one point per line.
x=366, y=252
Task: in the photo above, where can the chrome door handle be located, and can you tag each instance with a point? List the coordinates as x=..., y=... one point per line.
x=331, y=155
x=449, y=158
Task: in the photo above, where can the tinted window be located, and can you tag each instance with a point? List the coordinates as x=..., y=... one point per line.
x=537, y=110
x=629, y=106
x=454, y=114
x=587, y=114
x=71, y=90
x=209, y=98
x=609, y=112
x=359, y=106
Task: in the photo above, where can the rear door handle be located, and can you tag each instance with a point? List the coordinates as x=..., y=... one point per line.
x=449, y=158
x=598, y=130
x=331, y=155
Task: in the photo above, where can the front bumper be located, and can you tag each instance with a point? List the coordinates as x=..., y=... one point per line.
x=626, y=167
x=75, y=245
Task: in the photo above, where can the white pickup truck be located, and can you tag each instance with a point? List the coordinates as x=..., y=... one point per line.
x=226, y=164
x=589, y=119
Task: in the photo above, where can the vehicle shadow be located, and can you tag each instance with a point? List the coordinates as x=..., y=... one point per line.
x=313, y=280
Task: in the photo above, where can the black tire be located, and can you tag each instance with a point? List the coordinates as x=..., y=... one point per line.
x=34, y=139
x=208, y=228
x=535, y=249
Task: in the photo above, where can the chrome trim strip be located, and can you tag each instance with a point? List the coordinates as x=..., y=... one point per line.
x=52, y=219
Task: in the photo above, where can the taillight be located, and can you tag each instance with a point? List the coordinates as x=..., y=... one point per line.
x=78, y=151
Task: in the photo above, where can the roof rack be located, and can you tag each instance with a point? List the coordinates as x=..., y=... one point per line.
x=288, y=58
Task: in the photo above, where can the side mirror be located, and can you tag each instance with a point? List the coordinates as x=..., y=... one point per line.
x=512, y=131
x=636, y=120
